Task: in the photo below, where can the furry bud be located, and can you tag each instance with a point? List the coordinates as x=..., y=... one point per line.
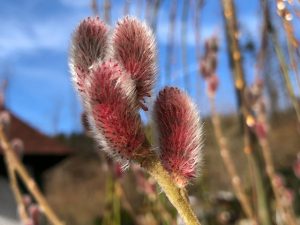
x=111, y=106
x=18, y=146
x=212, y=85
x=179, y=130
x=35, y=214
x=261, y=130
x=5, y=121
x=134, y=47
x=89, y=44
x=208, y=62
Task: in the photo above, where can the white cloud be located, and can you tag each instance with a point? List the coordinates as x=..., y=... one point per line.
x=14, y=38
x=54, y=33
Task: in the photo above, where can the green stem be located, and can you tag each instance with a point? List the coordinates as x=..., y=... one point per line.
x=262, y=200
x=235, y=57
x=285, y=73
x=174, y=193
x=116, y=204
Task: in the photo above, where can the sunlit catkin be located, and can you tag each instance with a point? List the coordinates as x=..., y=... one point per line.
x=89, y=44
x=111, y=107
x=179, y=128
x=134, y=47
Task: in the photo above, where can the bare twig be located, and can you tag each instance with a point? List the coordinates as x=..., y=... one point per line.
x=240, y=85
x=293, y=43
x=94, y=6
x=17, y=193
x=286, y=209
x=282, y=62
x=171, y=37
x=199, y=4
x=279, y=190
x=126, y=7
x=107, y=11
x=13, y=162
x=229, y=164
x=184, y=18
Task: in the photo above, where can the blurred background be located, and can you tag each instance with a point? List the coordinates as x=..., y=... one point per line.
x=82, y=185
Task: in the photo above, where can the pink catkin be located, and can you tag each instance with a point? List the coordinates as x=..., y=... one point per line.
x=179, y=129
x=134, y=47
x=112, y=105
x=89, y=45
x=212, y=85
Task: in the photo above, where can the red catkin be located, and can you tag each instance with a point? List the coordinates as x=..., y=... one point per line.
x=113, y=111
x=134, y=47
x=89, y=44
x=179, y=131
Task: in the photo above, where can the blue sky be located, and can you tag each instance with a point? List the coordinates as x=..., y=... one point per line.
x=34, y=43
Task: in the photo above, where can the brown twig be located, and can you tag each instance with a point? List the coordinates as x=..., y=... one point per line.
x=282, y=62
x=152, y=9
x=229, y=164
x=126, y=7
x=171, y=38
x=94, y=6
x=286, y=209
x=184, y=19
x=107, y=11
x=278, y=191
x=259, y=110
x=198, y=7
x=13, y=162
x=235, y=57
x=293, y=43
x=17, y=193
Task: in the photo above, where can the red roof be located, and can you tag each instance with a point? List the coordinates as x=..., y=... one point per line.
x=34, y=141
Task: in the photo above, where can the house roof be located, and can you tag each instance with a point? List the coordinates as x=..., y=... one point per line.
x=35, y=143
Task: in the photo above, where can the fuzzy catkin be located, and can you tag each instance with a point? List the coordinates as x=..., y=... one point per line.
x=134, y=47
x=179, y=131
x=113, y=112
x=89, y=45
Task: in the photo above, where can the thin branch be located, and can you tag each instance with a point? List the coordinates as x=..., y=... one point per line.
x=199, y=5
x=235, y=57
x=17, y=193
x=157, y=4
x=229, y=163
x=94, y=6
x=287, y=209
x=152, y=9
x=184, y=18
x=171, y=39
x=107, y=11
x=293, y=43
x=13, y=162
x=126, y=7
x=282, y=62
